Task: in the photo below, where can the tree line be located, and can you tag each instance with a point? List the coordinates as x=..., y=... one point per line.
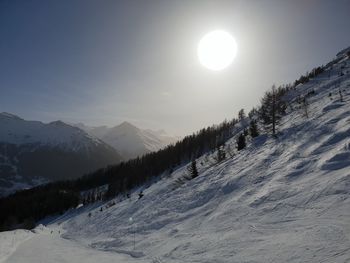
x=25, y=207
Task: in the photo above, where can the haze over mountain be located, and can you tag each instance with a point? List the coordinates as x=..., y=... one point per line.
x=283, y=197
x=32, y=152
x=129, y=140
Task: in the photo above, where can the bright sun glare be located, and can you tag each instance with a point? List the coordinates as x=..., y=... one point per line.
x=216, y=50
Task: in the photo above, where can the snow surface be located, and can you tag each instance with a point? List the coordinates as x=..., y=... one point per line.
x=284, y=199
x=10, y=240
x=50, y=247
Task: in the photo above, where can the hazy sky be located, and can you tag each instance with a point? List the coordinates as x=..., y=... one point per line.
x=103, y=62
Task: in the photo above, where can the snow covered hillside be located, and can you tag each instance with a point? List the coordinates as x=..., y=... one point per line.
x=32, y=152
x=129, y=140
x=283, y=199
x=21, y=246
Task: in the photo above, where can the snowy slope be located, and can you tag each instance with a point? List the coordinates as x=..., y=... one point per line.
x=130, y=140
x=32, y=152
x=10, y=240
x=55, y=249
x=284, y=199
x=278, y=200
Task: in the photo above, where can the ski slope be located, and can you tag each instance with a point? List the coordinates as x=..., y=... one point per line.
x=284, y=199
x=48, y=246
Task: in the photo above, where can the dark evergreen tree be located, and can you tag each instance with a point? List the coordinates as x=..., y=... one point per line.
x=246, y=132
x=112, y=190
x=308, y=76
x=241, y=144
x=241, y=115
x=272, y=108
x=253, y=129
x=253, y=113
x=305, y=106
x=93, y=196
x=140, y=194
x=221, y=154
x=89, y=198
x=192, y=169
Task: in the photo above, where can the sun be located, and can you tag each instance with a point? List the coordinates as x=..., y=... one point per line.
x=216, y=50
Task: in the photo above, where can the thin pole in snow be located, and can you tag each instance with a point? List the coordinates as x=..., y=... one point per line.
x=134, y=236
x=134, y=230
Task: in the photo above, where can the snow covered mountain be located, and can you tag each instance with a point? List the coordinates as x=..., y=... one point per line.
x=129, y=140
x=284, y=199
x=32, y=152
x=280, y=199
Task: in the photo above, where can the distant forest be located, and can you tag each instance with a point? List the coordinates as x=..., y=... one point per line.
x=24, y=208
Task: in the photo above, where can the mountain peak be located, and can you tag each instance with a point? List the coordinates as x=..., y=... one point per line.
x=59, y=123
x=126, y=125
x=10, y=116
x=343, y=52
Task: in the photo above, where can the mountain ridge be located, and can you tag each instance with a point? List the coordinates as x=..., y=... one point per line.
x=29, y=151
x=130, y=140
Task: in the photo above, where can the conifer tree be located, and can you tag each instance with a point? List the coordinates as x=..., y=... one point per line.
x=221, y=154
x=241, y=115
x=253, y=112
x=192, y=169
x=111, y=190
x=272, y=108
x=305, y=106
x=253, y=129
x=246, y=132
x=241, y=144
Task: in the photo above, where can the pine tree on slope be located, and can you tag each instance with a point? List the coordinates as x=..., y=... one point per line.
x=253, y=129
x=192, y=169
x=272, y=108
x=241, y=144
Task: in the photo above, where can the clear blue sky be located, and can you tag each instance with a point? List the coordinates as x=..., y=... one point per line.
x=103, y=62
